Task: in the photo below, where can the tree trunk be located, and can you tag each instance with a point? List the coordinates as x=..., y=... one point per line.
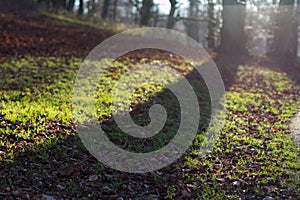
x=115, y=10
x=91, y=7
x=171, y=20
x=104, y=13
x=146, y=12
x=233, y=37
x=193, y=25
x=81, y=7
x=71, y=5
x=58, y=4
x=64, y=4
x=285, y=35
x=137, y=13
x=47, y=3
x=211, y=25
x=156, y=16
x=297, y=27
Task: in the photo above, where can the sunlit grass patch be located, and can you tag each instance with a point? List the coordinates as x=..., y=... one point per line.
x=255, y=150
x=36, y=88
x=36, y=98
x=35, y=101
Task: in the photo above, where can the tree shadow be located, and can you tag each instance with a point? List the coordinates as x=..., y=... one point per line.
x=228, y=66
x=33, y=34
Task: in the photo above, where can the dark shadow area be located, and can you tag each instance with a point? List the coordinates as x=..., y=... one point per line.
x=228, y=66
x=34, y=34
x=289, y=66
x=18, y=5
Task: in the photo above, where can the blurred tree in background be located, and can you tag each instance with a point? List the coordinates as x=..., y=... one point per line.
x=285, y=35
x=105, y=9
x=230, y=26
x=233, y=37
x=146, y=12
x=171, y=20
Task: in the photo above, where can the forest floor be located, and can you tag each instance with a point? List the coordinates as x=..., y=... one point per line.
x=42, y=156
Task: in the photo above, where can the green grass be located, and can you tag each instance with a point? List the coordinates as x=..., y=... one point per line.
x=254, y=148
x=37, y=89
x=37, y=92
x=35, y=97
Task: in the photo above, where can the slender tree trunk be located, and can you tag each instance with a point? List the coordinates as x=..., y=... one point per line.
x=91, y=8
x=64, y=4
x=193, y=25
x=115, y=10
x=211, y=25
x=137, y=13
x=71, y=5
x=105, y=9
x=146, y=12
x=285, y=36
x=47, y=3
x=297, y=27
x=171, y=20
x=156, y=16
x=58, y=4
x=81, y=7
x=233, y=37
